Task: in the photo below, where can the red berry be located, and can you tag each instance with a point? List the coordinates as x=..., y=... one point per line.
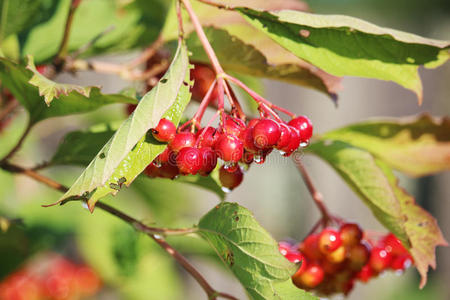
x=365, y=274
x=246, y=137
x=285, y=136
x=310, y=247
x=284, y=247
x=252, y=123
x=209, y=160
x=311, y=277
x=229, y=148
x=203, y=77
x=379, y=259
x=294, y=257
x=329, y=240
x=392, y=244
x=305, y=127
x=168, y=170
x=233, y=126
x=207, y=137
x=266, y=133
x=294, y=142
x=165, y=131
x=182, y=140
x=358, y=256
x=152, y=170
x=350, y=234
x=401, y=262
x=230, y=180
x=189, y=160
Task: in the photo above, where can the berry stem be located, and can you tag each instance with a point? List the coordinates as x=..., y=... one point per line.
x=235, y=104
x=154, y=233
x=315, y=194
x=204, y=103
x=257, y=97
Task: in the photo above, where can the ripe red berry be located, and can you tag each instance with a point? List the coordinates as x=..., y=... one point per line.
x=233, y=126
x=350, y=234
x=230, y=180
x=305, y=127
x=207, y=137
x=168, y=170
x=285, y=136
x=266, y=133
x=284, y=247
x=329, y=240
x=311, y=277
x=379, y=259
x=152, y=170
x=310, y=247
x=252, y=123
x=294, y=257
x=182, y=140
x=392, y=244
x=189, y=160
x=294, y=142
x=358, y=256
x=246, y=137
x=203, y=77
x=229, y=148
x=365, y=274
x=165, y=131
x=209, y=160
x=401, y=262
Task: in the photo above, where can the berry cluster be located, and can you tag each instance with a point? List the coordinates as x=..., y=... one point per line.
x=332, y=260
x=234, y=142
x=51, y=278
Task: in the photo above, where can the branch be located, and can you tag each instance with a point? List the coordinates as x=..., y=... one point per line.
x=152, y=232
x=218, y=5
x=315, y=194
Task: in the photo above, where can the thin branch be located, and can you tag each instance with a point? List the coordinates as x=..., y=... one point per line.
x=63, y=48
x=315, y=194
x=152, y=232
x=19, y=143
x=180, y=21
x=218, y=5
x=10, y=107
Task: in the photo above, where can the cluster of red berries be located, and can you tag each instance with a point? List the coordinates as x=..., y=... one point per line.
x=50, y=278
x=234, y=142
x=332, y=260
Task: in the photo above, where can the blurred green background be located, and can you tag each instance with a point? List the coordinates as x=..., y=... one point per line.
x=133, y=267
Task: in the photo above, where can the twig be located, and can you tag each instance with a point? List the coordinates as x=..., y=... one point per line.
x=152, y=232
x=218, y=5
x=63, y=48
x=10, y=107
x=19, y=143
x=180, y=21
x=315, y=194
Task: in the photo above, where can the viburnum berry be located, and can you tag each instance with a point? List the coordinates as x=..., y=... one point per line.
x=305, y=127
x=285, y=136
x=209, y=160
x=401, y=262
x=350, y=234
x=337, y=256
x=233, y=126
x=189, y=160
x=365, y=274
x=165, y=131
x=294, y=257
x=246, y=137
x=311, y=277
x=266, y=133
x=379, y=259
x=310, y=247
x=182, y=140
x=393, y=245
x=230, y=180
x=294, y=142
x=329, y=240
x=358, y=256
x=229, y=148
x=207, y=137
x=203, y=77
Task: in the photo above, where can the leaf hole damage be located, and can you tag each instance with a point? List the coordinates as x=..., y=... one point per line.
x=102, y=155
x=164, y=80
x=304, y=33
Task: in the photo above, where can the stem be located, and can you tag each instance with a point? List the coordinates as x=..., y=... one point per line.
x=315, y=194
x=257, y=97
x=218, y=5
x=150, y=231
x=63, y=48
x=234, y=102
x=180, y=21
x=19, y=143
x=204, y=104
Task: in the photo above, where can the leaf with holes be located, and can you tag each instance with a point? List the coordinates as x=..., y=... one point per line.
x=249, y=251
x=346, y=46
x=15, y=77
x=375, y=183
x=132, y=148
x=418, y=146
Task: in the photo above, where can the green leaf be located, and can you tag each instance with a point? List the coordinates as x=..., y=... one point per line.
x=248, y=250
x=131, y=149
x=417, y=146
x=210, y=182
x=50, y=89
x=16, y=15
x=421, y=228
x=377, y=186
x=15, y=77
x=242, y=48
x=135, y=24
x=346, y=46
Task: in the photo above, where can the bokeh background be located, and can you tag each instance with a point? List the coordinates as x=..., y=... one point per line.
x=134, y=268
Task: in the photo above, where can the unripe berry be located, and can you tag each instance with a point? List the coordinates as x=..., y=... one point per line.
x=209, y=160
x=350, y=234
x=229, y=148
x=230, y=180
x=358, y=256
x=379, y=259
x=329, y=240
x=165, y=131
x=182, y=140
x=337, y=256
x=207, y=137
x=189, y=160
x=311, y=277
x=285, y=136
x=266, y=133
x=305, y=127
